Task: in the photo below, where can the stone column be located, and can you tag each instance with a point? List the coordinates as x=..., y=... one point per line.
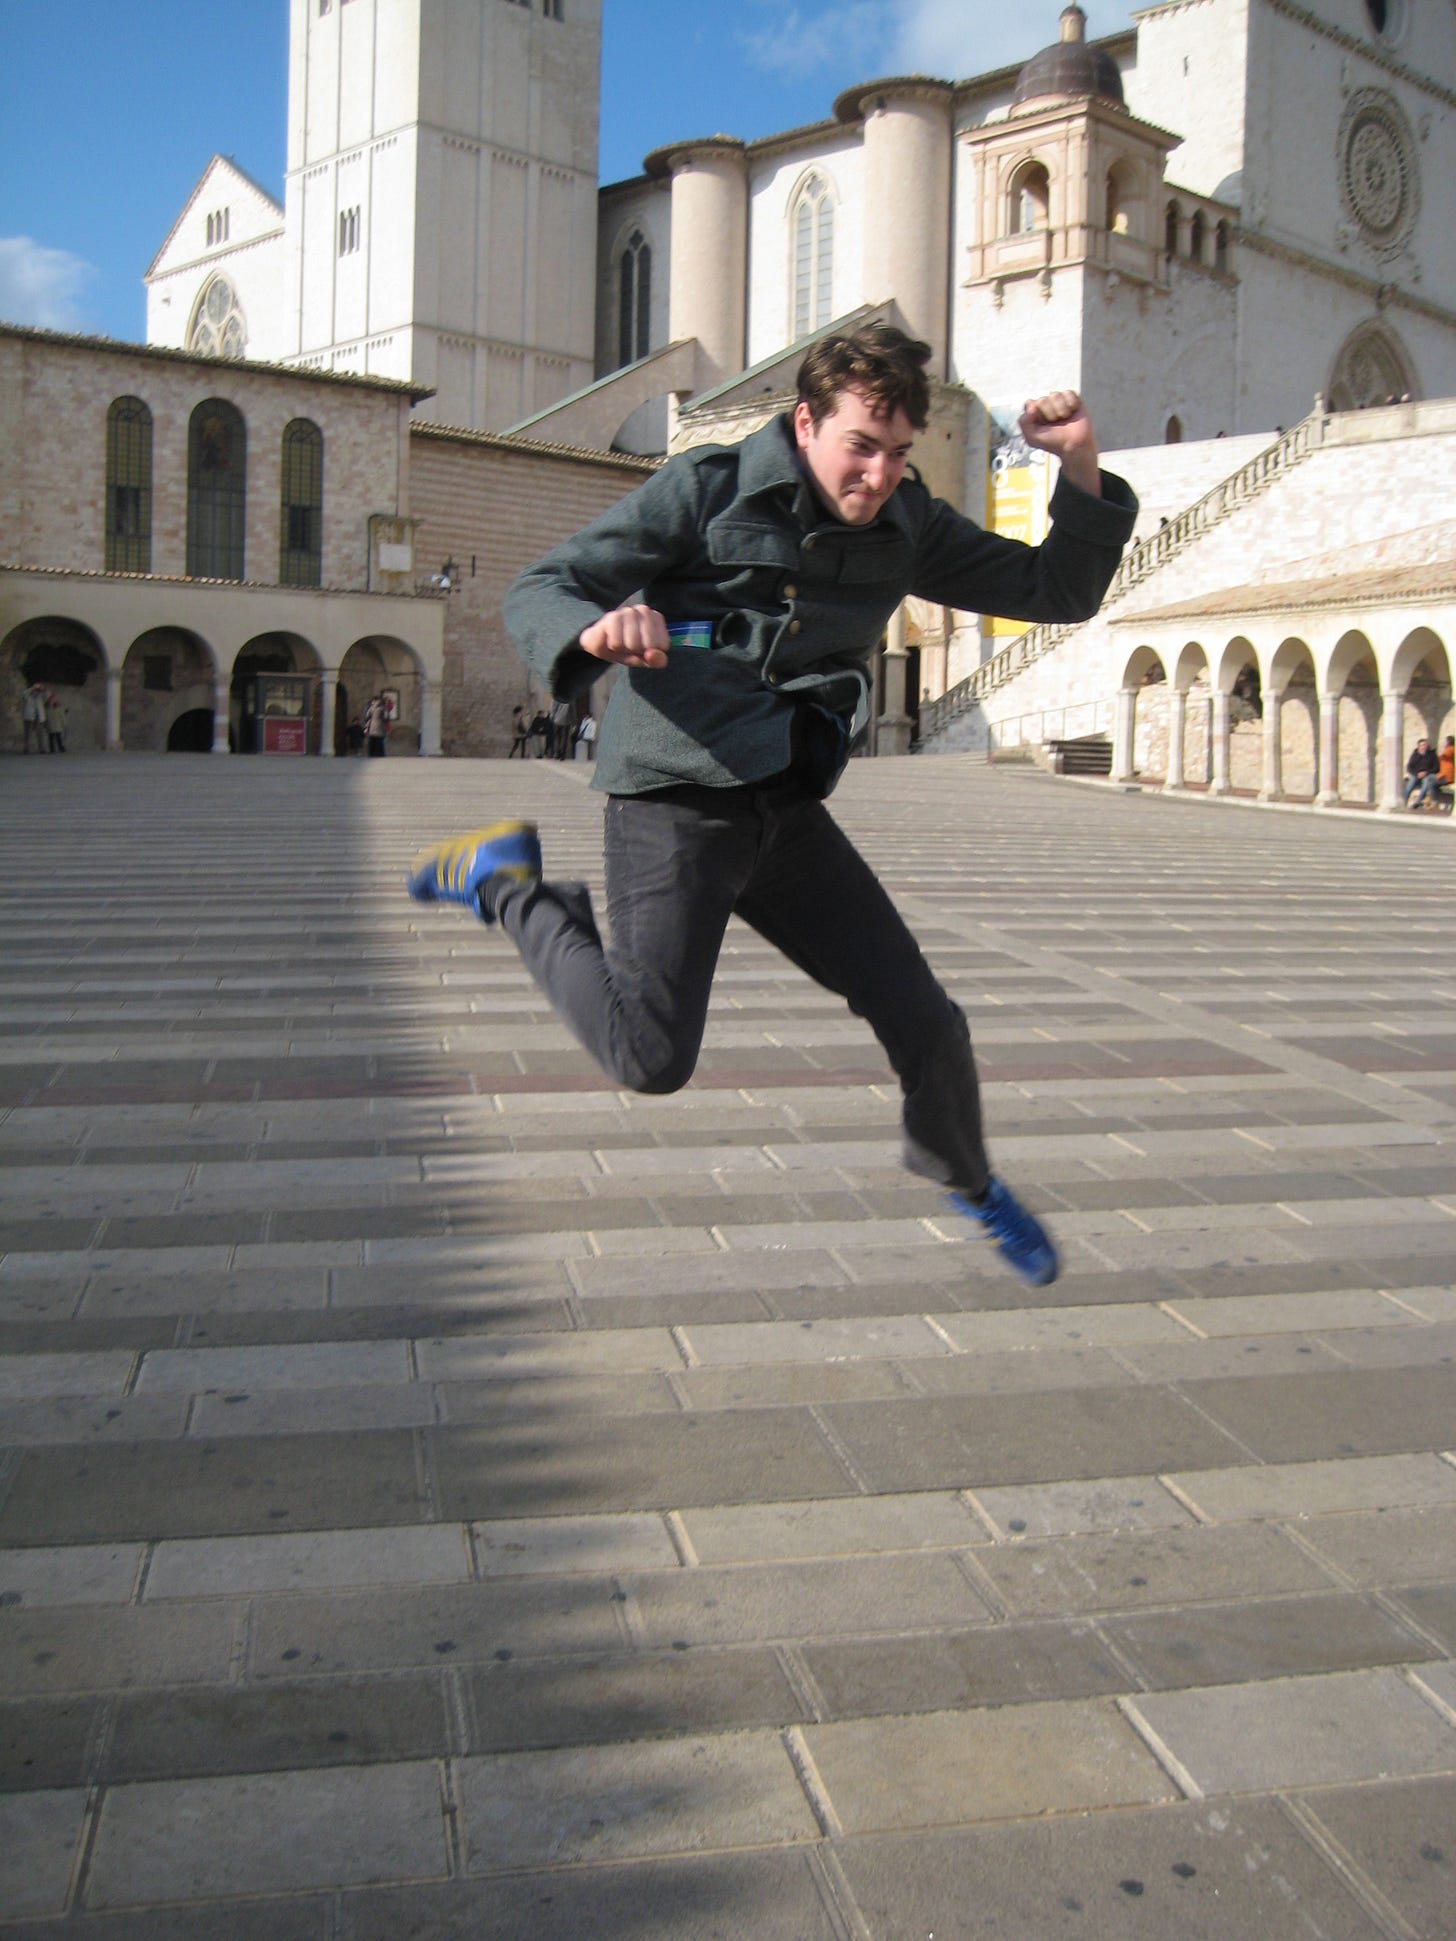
x=1328, y=792
x=1123, y=734
x=430, y=717
x=1273, y=786
x=1177, y=717
x=908, y=150
x=708, y=278
x=1392, y=761
x=1218, y=742
x=892, y=734
x=113, y=709
x=328, y=691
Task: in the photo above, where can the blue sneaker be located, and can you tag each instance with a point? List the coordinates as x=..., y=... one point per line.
x=457, y=871
x=1023, y=1240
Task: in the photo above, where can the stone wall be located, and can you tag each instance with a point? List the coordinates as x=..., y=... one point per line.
x=54, y=396
x=493, y=506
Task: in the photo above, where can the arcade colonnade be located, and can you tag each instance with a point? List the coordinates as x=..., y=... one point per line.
x=1322, y=704
x=142, y=663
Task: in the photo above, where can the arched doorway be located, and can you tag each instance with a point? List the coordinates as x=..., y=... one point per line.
x=271, y=653
x=191, y=733
x=380, y=664
x=66, y=659
x=167, y=673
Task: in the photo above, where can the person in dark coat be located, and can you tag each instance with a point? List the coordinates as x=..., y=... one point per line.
x=742, y=592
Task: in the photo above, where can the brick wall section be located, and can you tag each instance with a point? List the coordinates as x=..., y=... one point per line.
x=500, y=503
x=54, y=396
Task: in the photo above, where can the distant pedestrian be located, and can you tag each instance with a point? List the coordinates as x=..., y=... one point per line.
x=55, y=721
x=586, y=738
x=520, y=734
x=376, y=725
x=32, y=717
x=540, y=732
x=560, y=745
x=354, y=735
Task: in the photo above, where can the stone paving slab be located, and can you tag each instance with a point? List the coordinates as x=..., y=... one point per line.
x=615, y=1802
x=1200, y=1872
x=1299, y=1732
x=266, y=1833
x=944, y=1769
x=405, y=1421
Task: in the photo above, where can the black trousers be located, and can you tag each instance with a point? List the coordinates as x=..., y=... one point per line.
x=679, y=863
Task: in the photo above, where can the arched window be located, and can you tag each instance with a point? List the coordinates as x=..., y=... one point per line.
x=634, y=299
x=1030, y=200
x=1119, y=200
x=1221, y=248
x=1173, y=431
x=128, y=487
x=1195, y=237
x=218, y=327
x=301, y=509
x=811, y=226
x=217, y=477
x=1372, y=368
x=1172, y=216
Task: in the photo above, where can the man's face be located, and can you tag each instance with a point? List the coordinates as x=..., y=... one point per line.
x=856, y=456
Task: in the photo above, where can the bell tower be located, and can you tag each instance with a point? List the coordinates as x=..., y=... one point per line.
x=440, y=207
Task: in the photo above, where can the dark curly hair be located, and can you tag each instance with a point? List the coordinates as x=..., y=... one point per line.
x=879, y=360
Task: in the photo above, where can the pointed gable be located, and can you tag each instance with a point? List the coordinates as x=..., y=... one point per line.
x=247, y=212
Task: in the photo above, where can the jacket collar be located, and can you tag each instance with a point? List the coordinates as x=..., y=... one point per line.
x=768, y=461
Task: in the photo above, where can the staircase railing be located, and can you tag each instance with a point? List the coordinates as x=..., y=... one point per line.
x=1149, y=556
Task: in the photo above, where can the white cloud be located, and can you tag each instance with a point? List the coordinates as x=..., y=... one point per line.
x=959, y=38
x=950, y=38
x=41, y=286
x=796, y=43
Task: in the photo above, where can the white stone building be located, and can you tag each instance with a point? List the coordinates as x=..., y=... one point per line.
x=439, y=215
x=1199, y=222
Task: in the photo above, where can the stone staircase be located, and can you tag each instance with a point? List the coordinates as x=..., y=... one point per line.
x=1251, y=481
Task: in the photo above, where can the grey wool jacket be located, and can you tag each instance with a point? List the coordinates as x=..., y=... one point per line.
x=793, y=601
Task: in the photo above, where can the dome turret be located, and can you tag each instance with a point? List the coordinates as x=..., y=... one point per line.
x=1069, y=67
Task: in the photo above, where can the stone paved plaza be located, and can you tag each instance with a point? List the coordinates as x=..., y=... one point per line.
x=445, y=1497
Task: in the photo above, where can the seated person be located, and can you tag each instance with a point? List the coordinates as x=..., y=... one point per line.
x=1446, y=771
x=1422, y=774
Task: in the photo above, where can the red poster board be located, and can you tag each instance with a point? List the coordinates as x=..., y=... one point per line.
x=283, y=735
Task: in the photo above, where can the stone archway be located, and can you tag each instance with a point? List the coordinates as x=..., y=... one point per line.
x=1140, y=731
x=1291, y=723
x=66, y=659
x=1190, y=719
x=1350, y=722
x=168, y=672
x=270, y=653
x=383, y=664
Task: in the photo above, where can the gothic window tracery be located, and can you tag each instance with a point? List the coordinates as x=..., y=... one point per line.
x=811, y=231
x=217, y=467
x=301, y=509
x=219, y=328
x=1372, y=368
x=128, y=487
x=634, y=299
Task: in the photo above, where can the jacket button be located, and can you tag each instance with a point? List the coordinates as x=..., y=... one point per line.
x=791, y=593
x=793, y=626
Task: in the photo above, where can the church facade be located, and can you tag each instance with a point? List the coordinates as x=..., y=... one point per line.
x=1201, y=221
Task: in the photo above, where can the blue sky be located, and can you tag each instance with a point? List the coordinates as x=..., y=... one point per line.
x=111, y=109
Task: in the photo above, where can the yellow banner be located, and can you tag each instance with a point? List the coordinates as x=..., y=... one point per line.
x=1017, y=494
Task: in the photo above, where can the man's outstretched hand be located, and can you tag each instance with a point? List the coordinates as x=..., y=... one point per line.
x=1061, y=424
x=631, y=636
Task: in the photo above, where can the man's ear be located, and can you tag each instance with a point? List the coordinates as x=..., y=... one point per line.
x=803, y=425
